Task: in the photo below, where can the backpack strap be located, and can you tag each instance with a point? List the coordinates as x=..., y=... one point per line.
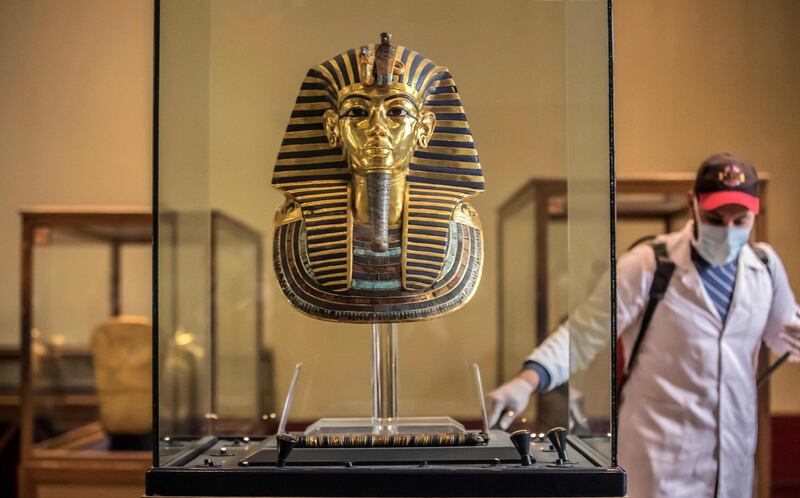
x=665, y=267
x=763, y=256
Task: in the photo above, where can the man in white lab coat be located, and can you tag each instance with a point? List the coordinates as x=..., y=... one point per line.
x=687, y=425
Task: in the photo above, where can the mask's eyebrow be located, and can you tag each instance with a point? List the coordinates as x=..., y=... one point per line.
x=402, y=96
x=354, y=96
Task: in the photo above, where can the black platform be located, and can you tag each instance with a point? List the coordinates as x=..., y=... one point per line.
x=206, y=469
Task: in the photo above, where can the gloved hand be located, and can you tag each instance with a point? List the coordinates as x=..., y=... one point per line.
x=508, y=401
x=791, y=334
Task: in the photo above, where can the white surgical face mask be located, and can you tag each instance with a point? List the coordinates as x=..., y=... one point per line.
x=719, y=245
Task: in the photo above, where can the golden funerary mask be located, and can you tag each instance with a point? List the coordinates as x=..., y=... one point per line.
x=376, y=164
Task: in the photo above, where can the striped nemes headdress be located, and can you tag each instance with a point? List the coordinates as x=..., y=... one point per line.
x=315, y=177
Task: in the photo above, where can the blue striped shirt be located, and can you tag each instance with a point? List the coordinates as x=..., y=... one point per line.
x=718, y=281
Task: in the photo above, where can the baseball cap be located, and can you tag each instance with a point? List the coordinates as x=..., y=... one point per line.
x=725, y=179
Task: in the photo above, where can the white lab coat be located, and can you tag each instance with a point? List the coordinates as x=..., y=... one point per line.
x=689, y=410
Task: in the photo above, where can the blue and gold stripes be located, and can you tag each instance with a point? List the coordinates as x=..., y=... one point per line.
x=440, y=176
x=421, y=261
x=327, y=228
x=316, y=176
x=373, y=303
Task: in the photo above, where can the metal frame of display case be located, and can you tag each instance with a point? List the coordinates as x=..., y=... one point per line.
x=549, y=197
x=56, y=462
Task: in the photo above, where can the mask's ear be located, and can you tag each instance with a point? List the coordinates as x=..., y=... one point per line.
x=330, y=120
x=425, y=127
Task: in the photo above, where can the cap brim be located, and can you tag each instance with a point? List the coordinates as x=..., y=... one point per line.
x=714, y=200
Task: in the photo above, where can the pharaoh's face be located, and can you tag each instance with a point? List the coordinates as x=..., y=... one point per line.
x=379, y=128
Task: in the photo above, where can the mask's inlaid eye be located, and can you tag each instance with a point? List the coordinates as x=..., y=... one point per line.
x=356, y=112
x=398, y=112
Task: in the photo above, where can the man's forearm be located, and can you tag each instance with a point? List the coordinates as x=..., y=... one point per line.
x=535, y=374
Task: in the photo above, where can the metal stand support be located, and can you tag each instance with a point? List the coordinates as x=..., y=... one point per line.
x=384, y=371
x=384, y=419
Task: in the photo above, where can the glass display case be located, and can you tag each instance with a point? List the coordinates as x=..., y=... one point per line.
x=85, y=347
x=383, y=304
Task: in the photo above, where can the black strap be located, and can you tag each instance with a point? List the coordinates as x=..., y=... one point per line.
x=664, y=270
x=762, y=255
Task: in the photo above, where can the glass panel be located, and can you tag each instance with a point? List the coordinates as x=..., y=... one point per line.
x=90, y=331
x=518, y=291
x=242, y=383
x=589, y=223
x=534, y=86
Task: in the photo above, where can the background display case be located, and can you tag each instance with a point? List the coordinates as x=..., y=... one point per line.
x=234, y=353
x=84, y=269
x=533, y=77
x=86, y=358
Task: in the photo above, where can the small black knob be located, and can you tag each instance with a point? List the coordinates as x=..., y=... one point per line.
x=558, y=438
x=522, y=442
x=286, y=444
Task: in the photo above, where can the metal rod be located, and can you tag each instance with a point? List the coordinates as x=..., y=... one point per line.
x=479, y=385
x=780, y=361
x=376, y=371
x=766, y=373
x=393, y=369
x=384, y=371
x=288, y=403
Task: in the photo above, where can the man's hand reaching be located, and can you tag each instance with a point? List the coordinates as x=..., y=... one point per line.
x=511, y=399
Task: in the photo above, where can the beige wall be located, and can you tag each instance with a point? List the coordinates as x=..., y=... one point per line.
x=75, y=127
x=696, y=77
x=692, y=77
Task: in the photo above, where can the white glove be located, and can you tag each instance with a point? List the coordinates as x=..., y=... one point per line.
x=791, y=334
x=509, y=401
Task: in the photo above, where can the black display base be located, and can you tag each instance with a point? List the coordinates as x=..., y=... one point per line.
x=391, y=481
x=499, y=448
x=213, y=467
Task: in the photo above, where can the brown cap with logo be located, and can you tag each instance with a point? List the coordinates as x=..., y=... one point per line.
x=726, y=179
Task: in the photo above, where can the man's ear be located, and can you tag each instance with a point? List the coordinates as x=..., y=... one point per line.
x=691, y=200
x=693, y=211
x=425, y=127
x=330, y=120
